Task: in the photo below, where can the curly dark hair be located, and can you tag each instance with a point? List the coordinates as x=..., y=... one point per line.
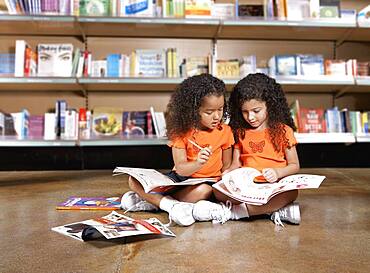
x=182, y=112
x=262, y=88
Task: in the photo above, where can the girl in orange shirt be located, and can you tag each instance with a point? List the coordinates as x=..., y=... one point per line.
x=201, y=147
x=263, y=129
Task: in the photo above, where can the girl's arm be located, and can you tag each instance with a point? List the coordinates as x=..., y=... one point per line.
x=273, y=174
x=227, y=157
x=186, y=168
x=235, y=162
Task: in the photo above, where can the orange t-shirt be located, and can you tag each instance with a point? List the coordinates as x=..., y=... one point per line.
x=257, y=151
x=220, y=139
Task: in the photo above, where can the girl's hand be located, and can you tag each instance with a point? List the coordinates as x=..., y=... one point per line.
x=204, y=155
x=270, y=174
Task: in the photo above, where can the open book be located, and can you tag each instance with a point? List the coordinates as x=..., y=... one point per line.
x=239, y=185
x=90, y=203
x=156, y=182
x=112, y=226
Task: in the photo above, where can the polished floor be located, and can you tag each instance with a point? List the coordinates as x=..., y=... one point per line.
x=334, y=235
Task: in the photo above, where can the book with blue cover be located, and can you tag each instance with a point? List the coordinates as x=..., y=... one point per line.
x=7, y=64
x=90, y=203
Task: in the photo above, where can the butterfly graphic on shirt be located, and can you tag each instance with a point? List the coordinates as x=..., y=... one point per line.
x=257, y=146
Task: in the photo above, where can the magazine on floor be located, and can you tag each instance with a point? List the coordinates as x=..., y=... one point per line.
x=112, y=226
x=155, y=182
x=246, y=185
x=90, y=203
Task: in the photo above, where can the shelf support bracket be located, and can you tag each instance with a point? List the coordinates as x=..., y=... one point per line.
x=82, y=31
x=342, y=91
x=82, y=89
x=344, y=37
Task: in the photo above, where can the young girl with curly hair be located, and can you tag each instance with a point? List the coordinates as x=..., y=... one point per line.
x=201, y=147
x=263, y=129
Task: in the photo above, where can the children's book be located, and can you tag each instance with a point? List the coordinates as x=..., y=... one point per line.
x=244, y=185
x=156, y=182
x=90, y=203
x=112, y=226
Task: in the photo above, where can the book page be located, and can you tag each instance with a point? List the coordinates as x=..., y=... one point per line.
x=151, y=179
x=116, y=225
x=239, y=185
x=113, y=225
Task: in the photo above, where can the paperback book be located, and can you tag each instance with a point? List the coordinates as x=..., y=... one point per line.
x=156, y=182
x=113, y=226
x=245, y=185
x=90, y=203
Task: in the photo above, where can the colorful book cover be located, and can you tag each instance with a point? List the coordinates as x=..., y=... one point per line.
x=107, y=121
x=90, y=203
x=150, y=63
x=312, y=121
x=7, y=64
x=134, y=123
x=55, y=60
x=94, y=7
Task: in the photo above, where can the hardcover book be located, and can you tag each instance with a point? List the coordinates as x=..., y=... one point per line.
x=94, y=7
x=107, y=121
x=55, y=60
x=312, y=121
x=139, y=8
x=113, y=226
x=245, y=10
x=90, y=203
x=150, y=63
x=135, y=123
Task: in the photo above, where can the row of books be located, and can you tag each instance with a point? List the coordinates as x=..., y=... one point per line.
x=67, y=123
x=332, y=120
x=310, y=64
x=282, y=9
x=63, y=60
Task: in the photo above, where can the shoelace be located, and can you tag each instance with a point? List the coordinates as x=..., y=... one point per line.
x=133, y=206
x=277, y=220
x=222, y=217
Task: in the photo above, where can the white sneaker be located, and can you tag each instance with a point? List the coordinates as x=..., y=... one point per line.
x=182, y=214
x=289, y=213
x=206, y=211
x=131, y=201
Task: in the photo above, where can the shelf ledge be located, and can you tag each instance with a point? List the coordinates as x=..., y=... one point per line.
x=325, y=138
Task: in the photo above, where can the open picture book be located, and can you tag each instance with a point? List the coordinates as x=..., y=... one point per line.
x=241, y=185
x=112, y=226
x=156, y=182
x=90, y=203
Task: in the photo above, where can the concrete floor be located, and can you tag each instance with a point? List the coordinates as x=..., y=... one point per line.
x=334, y=235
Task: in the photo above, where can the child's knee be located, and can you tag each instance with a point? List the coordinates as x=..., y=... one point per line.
x=133, y=184
x=203, y=191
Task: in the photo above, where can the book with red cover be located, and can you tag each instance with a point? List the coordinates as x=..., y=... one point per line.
x=312, y=120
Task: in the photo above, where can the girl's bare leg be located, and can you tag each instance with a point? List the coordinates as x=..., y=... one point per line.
x=191, y=194
x=276, y=202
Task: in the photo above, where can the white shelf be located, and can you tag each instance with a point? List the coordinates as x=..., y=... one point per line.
x=362, y=80
x=12, y=141
x=303, y=138
x=288, y=23
x=363, y=137
x=254, y=28
x=124, y=141
x=325, y=138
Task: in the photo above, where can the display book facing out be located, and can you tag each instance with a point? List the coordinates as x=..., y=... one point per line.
x=243, y=184
x=113, y=226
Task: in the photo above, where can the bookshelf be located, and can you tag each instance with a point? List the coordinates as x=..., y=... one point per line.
x=231, y=38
